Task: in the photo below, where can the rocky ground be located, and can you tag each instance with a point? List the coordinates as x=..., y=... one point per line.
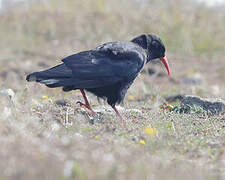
x=46, y=135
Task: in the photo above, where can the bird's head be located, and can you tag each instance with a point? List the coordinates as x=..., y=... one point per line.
x=154, y=48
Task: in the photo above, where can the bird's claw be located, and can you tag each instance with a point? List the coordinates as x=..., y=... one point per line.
x=92, y=113
x=81, y=104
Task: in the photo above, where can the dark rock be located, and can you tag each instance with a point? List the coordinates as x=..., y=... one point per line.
x=191, y=81
x=214, y=106
x=161, y=74
x=61, y=102
x=175, y=98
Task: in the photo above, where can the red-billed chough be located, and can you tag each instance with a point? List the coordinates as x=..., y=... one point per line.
x=106, y=71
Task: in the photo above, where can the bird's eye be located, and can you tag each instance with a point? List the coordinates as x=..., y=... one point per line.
x=155, y=44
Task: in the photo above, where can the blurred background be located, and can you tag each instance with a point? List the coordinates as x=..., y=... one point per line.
x=37, y=34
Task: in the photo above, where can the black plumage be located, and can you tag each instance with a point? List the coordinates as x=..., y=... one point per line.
x=106, y=71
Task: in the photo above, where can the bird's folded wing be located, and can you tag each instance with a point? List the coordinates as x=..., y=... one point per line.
x=104, y=66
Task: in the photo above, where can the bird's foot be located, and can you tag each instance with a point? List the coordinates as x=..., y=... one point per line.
x=87, y=106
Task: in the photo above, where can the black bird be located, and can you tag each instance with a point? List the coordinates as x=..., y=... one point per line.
x=106, y=71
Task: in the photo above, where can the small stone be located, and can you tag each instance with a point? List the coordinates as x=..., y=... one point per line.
x=9, y=92
x=61, y=102
x=193, y=79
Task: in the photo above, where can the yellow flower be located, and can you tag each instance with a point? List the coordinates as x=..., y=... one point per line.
x=150, y=131
x=130, y=98
x=142, y=142
x=162, y=106
x=94, y=105
x=44, y=97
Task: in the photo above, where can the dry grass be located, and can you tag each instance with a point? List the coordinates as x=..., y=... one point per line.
x=36, y=143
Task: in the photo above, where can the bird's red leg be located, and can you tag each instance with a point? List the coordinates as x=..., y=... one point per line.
x=117, y=112
x=86, y=105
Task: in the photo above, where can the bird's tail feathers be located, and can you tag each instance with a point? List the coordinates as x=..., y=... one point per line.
x=54, y=77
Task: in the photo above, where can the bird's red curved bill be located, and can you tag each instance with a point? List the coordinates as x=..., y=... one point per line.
x=166, y=64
